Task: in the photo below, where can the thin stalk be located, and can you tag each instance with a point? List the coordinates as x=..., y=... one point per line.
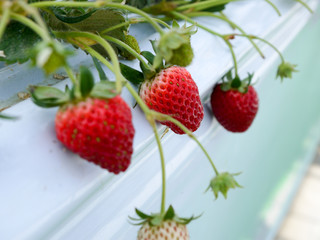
x=305, y=5
x=32, y=25
x=181, y=16
x=163, y=117
x=274, y=7
x=128, y=48
x=107, y=47
x=163, y=167
x=198, y=6
x=231, y=23
x=71, y=75
x=265, y=41
x=4, y=21
x=97, y=5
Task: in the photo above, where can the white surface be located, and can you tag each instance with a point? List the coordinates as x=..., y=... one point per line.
x=48, y=192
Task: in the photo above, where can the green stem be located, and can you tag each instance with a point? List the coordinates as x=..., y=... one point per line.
x=5, y=18
x=107, y=47
x=198, y=6
x=128, y=48
x=71, y=75
x=305, y=5
x=274, y=7
x=32, y=25
x=231, y=23
x=262, y=40
x=163, y=117
x=181, y=16
x=97, y=5
x=163, y=167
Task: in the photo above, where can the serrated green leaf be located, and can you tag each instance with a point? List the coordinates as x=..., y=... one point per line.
x=17, y=43
x=104, y=89
x=86, y=81
x=132, y=75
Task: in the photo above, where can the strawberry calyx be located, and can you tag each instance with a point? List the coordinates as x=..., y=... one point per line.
x=222, y=183
x=158, y=219
x=285, y=70
x=235, y=83
x=47, y=97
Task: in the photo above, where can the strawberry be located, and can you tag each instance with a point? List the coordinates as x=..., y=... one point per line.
x=164, y=226
x=168, y=229
x=235, y=104
x=172, y=91
x=92, y=121
x=99, y=130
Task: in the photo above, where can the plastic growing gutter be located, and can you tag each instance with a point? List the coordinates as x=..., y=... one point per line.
x=50, y=193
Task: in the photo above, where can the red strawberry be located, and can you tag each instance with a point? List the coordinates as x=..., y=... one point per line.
x=172, y=91
x=99, y=130
x=233, y=109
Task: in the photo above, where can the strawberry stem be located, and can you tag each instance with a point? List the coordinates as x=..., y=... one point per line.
x=100, y=4
x=274, y=7
x=71, y=75
x=163, y=167
x=114, y=59
x=305, y=5
x=5, y=18
x=182, y=16
x=198, y=6
x=231, y=23
x=128, y=48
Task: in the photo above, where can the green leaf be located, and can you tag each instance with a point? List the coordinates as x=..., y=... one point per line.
x=86, y=81
x=65, y=17
x=149, y=56
x=17, y=43
x=48, y=96
x=132, y=75
x=104, y=89
x=102, y=74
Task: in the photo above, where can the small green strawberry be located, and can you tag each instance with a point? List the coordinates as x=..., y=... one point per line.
x=285, y=70
x=133, y=43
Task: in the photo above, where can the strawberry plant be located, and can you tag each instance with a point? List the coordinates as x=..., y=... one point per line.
x=93, y=120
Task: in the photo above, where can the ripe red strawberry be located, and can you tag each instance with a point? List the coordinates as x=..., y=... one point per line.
x=168, y=229
x=233, y=109
x=172, y=91
x=99, y=130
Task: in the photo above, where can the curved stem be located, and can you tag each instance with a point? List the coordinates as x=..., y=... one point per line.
x=181, y=16
x=107, y=47
x=198, y=6
x=100, y=4
x=274, y=7
x=305, y=5
x=71, y=75
x=32, y=25
x=128, y=48
x=163, y=167
x=231, y=23
x=262, y=40
x=5, y=18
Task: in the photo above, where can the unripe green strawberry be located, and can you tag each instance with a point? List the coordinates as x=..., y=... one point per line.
x=172, y=91
x=168, y=230
x=133, y=43
x=183, y=55
x=99, y=130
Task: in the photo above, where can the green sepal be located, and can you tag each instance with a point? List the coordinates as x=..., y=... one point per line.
x=149, y=56
x=132, y=75
x=104, y=89
x=235, y=83
x=285, y=70
x=141, y=214
x=222, y=183
x=47, y=97
x=102, y=74
x=169, y=214
x=86, y=81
